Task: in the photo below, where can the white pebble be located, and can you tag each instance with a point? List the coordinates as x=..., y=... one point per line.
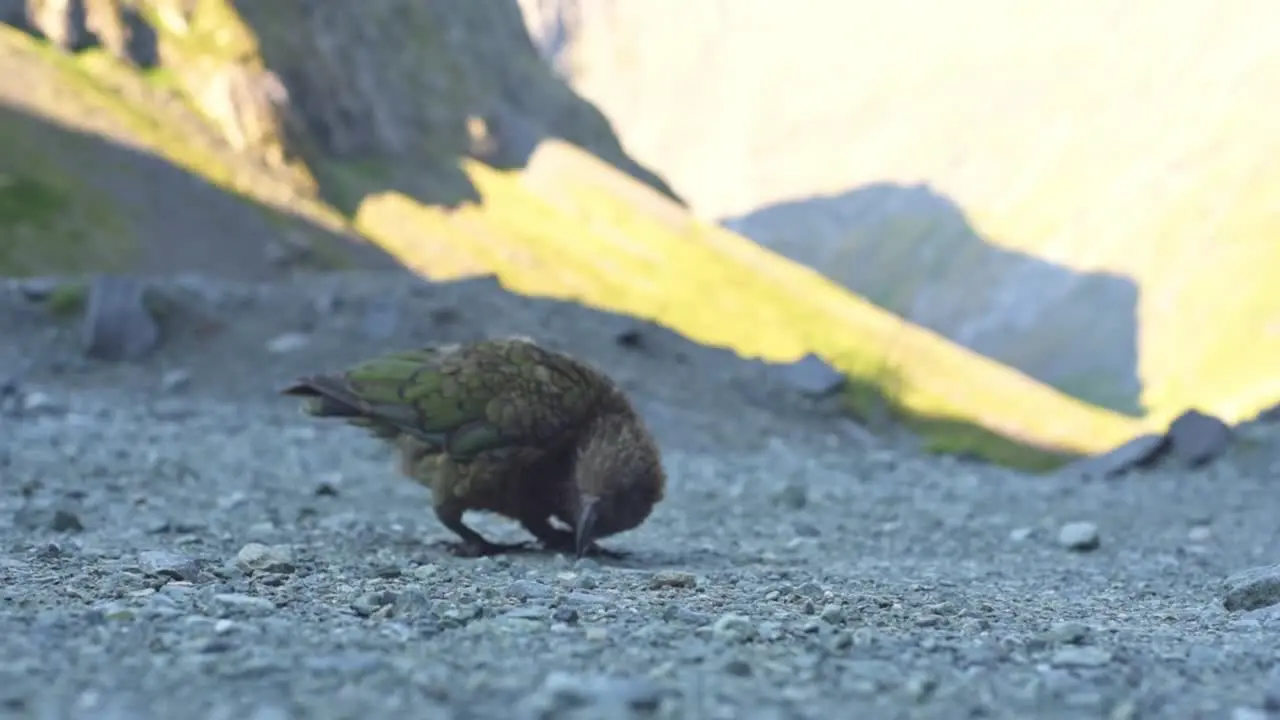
x=1079, y=536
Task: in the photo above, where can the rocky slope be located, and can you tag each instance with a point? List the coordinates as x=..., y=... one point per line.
x=293, y=106
x=254, y=140
x=1078, y=190
x=175, y=539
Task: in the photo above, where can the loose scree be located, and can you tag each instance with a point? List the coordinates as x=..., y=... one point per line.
x=509, y=427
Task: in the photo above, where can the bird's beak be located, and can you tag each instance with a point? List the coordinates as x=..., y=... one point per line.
x=585, y=526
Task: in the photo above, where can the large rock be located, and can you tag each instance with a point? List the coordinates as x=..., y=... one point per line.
x=119, y=323
x=1193, y=439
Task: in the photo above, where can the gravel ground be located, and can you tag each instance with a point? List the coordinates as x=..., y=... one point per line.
x=176, y=541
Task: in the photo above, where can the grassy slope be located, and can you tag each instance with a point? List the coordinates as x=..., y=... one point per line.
x=91, y=96
x=48, y=216
x=46, y=213
x=564, y=236
x=573, y=227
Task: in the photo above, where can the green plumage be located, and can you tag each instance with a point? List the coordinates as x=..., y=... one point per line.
x=492, y=425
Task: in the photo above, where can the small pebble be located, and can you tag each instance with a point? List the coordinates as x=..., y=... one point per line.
x=65, y=521
x=175, y=380
x=256, y=557
x=327, y=485
x=248, y=604
x=370, y=603
x=1252, y=589
x=1079, y=536
x=672, y=579
x=529, y=590
x=812, y=376
x=40, y=402
x=733, y=627
x=568, y=616
x=806, y=530
x=287, y=343
x=1271, y=696
x=1080, y=657
x=527, y=613
x=581, y=598
x=832, y=614
x=1068, y=632
x=175, y=566
x=794, y=496
x=562, y=694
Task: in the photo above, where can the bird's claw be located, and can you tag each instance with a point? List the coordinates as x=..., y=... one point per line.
x=487, y=549
x=604, y=552
x=593, y=550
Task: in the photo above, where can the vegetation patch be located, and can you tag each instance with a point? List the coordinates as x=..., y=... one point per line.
x=47, y=218
x=68, y=300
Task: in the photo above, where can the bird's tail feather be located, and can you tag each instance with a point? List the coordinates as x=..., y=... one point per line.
x=326, y=397
x=329, y=397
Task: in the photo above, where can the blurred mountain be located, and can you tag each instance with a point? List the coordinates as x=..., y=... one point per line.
x=1082, y=191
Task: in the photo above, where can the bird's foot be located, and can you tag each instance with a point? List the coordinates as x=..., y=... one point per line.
x=469, y=549
x=565, y=545
x=604, y=552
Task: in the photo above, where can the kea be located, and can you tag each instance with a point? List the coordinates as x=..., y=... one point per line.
x=509, y=427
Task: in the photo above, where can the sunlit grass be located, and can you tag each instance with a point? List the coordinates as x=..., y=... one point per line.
x=720, y=289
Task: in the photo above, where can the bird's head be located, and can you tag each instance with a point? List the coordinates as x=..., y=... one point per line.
x=617, y=478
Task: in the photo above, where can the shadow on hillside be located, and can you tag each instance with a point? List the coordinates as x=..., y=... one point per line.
x=912, y=251
x=73, y=201
x=187, y=225
x=482, y=307
x=521, y=102
x=672, y=378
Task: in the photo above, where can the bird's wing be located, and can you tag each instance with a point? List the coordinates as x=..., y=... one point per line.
x=467, y=400
x=531, y=396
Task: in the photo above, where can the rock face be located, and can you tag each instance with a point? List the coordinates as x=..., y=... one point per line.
x=270, y=137
x=397, y=82
x=920, y=155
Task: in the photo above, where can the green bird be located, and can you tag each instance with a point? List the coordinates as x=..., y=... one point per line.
x=509, y=427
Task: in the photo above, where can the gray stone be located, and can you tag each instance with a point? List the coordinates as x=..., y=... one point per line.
x=1079, y=536
x=1081, y=657
x=380, y=320
x=599, y=696
x=813, y=376
x=1197, y=438
x=64, y=520
x=1138, y=452
x=118, y=324
x=733, y=627
x=1252, y=589
x=175, y=380
x=245, y=604
x=529, y=590
x=672, y=579
x=287, y=343
x=256, y=557
x=175, y=566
